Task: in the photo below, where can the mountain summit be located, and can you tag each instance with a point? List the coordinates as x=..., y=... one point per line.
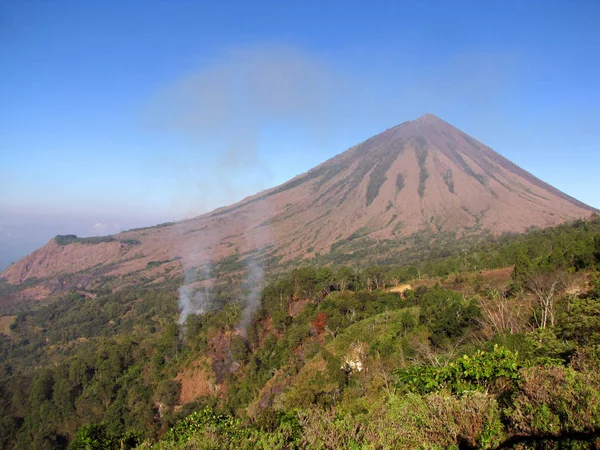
x=420, y=176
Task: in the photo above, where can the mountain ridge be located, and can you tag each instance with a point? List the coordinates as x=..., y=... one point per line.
x=420, y=175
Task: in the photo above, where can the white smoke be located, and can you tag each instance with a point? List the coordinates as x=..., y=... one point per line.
x=225, y=107
x=259, y=238
x=193, y=299
x=252, y=299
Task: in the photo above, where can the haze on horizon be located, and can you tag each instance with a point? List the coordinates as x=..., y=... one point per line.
x=125, y=114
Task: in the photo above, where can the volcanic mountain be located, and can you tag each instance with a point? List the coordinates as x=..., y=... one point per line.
x=420, y=176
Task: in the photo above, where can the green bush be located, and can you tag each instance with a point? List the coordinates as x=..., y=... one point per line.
x=447, y=314
x=496, y=371
x=556, y=401
x=67, y=239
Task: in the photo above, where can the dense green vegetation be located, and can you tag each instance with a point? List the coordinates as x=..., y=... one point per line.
x=160, y=225
x=445, y=253
x=463, y=358
x=66, y=239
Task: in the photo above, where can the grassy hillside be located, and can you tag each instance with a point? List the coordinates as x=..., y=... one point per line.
x=464, y=357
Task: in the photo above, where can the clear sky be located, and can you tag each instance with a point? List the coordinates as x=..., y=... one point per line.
x=115, y=114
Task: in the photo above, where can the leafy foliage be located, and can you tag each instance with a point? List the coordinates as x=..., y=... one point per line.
x=67, y=239
x=480, y=371
x=332, y=359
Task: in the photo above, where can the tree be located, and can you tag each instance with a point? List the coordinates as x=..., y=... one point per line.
x=239, y=349
x=522, y=269
x=167, y=392
x=305, y=280
x=42, y=388
x=346, y=278
x=64, y=396
x=325, y=280
x=545, y=286
x=375, y=277
x=168, y=345
x=92, y=437
x=498, y=312
x=447, y=314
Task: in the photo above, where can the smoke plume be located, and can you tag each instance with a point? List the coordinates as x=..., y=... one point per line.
x=224, y=109
x=193, y=299
x=252, y=299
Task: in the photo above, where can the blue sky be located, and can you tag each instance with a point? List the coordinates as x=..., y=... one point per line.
x=117, y=114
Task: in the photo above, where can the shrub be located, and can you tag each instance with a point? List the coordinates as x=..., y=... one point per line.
x=497, y=371
x=411, y=421
x=67, y=239
x=447, y=314
x=239, y=349
x=556, y=401
x=167, y=392
x=96, y=437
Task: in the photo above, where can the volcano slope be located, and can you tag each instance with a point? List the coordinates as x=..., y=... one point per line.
x=421, y=178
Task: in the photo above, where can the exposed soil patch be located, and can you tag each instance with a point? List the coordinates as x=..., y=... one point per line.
x=296, y=307
x=218, y=350
x=196, y=381
x=5, y=323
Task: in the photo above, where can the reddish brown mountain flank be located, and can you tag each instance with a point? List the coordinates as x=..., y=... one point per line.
x=420, y=175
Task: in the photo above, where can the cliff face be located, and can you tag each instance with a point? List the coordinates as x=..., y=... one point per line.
x=420, y=175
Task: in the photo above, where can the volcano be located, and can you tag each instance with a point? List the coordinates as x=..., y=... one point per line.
x=420, y=176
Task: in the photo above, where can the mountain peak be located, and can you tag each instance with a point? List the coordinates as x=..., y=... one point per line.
x=431, y=119
x=423, y=175
x=428, y=116
x=424, y=126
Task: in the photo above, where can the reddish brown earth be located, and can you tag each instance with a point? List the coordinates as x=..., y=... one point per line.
x=197, y=381
x=373, y=189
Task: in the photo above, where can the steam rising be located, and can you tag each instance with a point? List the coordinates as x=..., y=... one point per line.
x=252, y=299
x=258, y=238
x=193, y=300
x=225, y=108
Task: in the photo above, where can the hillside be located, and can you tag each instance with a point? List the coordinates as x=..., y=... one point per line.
x=497, y=347
x=422, y=176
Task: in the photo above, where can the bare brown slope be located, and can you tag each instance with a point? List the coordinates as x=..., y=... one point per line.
x=420, y=175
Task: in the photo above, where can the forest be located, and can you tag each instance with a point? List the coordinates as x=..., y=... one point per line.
x=495, y=344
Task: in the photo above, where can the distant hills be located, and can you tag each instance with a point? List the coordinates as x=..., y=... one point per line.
x=422, y=176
